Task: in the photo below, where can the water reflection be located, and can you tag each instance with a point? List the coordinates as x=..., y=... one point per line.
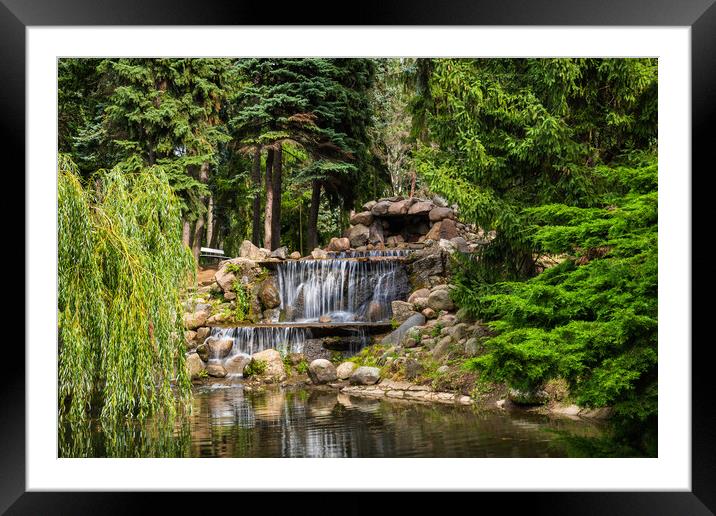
x=232, y=422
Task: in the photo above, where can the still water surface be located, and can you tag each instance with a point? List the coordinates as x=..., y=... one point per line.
x=229, y=421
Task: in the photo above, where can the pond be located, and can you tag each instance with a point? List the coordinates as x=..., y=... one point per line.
x=231, y=421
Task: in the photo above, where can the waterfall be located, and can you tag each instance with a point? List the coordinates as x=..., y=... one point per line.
x=248, y=340
x=342, y=289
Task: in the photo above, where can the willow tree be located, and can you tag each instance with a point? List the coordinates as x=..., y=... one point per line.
x=121, y=263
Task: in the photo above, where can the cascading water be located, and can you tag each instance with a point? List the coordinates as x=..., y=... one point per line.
x=340, y=289
x=248, y=340
x=351, y=287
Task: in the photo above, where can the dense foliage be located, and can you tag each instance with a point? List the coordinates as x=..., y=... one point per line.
x=121, y=264
x=558, y=156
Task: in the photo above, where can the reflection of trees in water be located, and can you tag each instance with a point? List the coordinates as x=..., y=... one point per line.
x=156, y=437
x=232, y=422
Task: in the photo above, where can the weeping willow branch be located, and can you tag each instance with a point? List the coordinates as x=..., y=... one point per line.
x=121, y=265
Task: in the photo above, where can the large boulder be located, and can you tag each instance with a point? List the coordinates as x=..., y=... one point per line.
x=281, y=253
x=345, y=370
x=400, y=207
x=421, y=292
x=380, y=208
x=439, y=213
x=202, y=333
x=402, y=310
x=337, y=245
x=445, y=229
x=203, y=351
x=364, y=217
x=235, y=365
x=396, y=336
x=219, y=348
x=440, y=300
x=295, y=255
x=367, y=206
x=424, y=268
x=269, y=294
x=322, y=371
x=275, y=370
x=246, y=272
x=195, y=319
x=442, y=347
x=358, y=235
x=365, y=375
x=216, y=370
x=250, y=251
x=421, y=208
x=194, y=365
x=319, y=254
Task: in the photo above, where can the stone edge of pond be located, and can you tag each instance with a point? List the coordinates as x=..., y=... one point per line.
x=406, y=391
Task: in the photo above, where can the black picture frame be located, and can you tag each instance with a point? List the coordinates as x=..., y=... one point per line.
x=699, y=15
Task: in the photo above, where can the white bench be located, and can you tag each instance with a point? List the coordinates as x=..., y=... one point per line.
x=208, y=252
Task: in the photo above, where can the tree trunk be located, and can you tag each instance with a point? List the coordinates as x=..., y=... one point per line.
x=276, y=212
x=268, y=210
x=186, y=233
x=256, y=177
x=201, y=221
x=313, y=216
x=214, y=240
x=210, y=220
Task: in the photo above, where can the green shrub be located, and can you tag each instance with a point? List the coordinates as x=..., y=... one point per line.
x=255, y=367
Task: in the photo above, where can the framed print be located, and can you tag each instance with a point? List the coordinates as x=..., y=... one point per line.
x=453, y=240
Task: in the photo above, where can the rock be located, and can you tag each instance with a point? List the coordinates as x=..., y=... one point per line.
x=369, y=205
x=569, y=410
x=402, y=310
x=428, y=343
x=194, y=365
x=420, y=303
x=272, y=314
x=532, y=397
x=444, y=229
x=216, y=370
x=236, y=364
x=375, y=233
x=442, y=347
x=219, y=348
x=250, y=251
x=374, y=311
x=195, y=319
x=337, y=245
x=295, y=255
x=358, y=235
x=365, y=375
x=396, y=336
x=380, y=208
x=319, y=254
x=439, y=213
x=324, y=319
x=364, y=217
x=247, y=272
x=472, y=346
x=422, y=269
x=395, y=240
x=413, y=368
x=429, y=313
x=440, y=201
x=443, y=369
x=344, y=371
x=421, y=292
x=400, y=207
x=460, y=244
x=229, y=295
x=189, y=337
x=203, y=351
x=269, y=294
x=421, y=208
x=440, y=300
x=281, y=253
x=322, y=371
x=295, y=358
x=458, y=331
x=275, y=370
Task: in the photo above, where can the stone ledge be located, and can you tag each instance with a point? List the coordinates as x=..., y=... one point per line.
x=407, y=391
